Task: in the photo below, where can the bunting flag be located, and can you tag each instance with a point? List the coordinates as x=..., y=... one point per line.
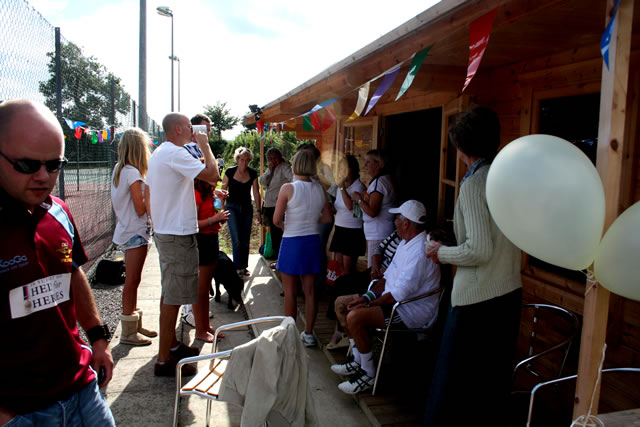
x=260, y=126
x=479, y=32
x=363, y=94
x=605, y=41
x=417, y=61
x=73, y=124
x=78, y=132
x=99, y=136
x=328, y=119
x=109, y=134
x=105, y=136
x=316, y=123
x=94, y=138
x=306, y=123
x=322, y=105
x=388, y=80
x=291, y=123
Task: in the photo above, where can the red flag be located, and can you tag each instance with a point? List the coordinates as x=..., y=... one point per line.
x=78, y=133
x=316, y=123
x=329, y=118
x=479, y=32
x=260, y=125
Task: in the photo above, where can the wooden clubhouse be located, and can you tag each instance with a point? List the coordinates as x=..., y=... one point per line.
x=542, y=72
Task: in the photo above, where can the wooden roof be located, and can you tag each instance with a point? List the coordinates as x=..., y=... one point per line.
x=522, y=29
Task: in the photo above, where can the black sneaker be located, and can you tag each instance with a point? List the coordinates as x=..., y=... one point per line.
x=184, y=351
x=168, y=369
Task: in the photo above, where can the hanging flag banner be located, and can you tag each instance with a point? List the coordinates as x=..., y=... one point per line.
x=388, y=80
x=109, y=134
x=73, y=124
x=316, y=123
x=291, y=123
x=605, y=41
x=417, y=61
x=94, y=138
x=260, y=126
x=479, y=32
x=328, y=119
x=363, y=94
x=105, y=137
x=322, y=105
x=306, y=123
x=78, y=132
x=99, y=136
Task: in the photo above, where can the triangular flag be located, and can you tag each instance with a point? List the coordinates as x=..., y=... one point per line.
x=99, y=136
x=363, y=94
x=109, y=134
x=94, y=138
x=389, y=77
x=329, y=118
x=479, y=32
x=78, y=132
x=260, y=126
x=417, y=61
x=104, y=135
x=606, y=36
x=315, y=120
x=73, y=124
x=291, y=123
x=306, y=123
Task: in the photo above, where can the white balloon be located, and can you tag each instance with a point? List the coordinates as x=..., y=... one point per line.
x=546, y=196
x=617, y=263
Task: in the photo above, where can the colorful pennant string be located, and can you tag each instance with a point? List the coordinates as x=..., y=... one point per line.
x=78, y=132
x=386, y=83
x=73, y=124
x=94, y=138
x=417, y=61
x=479, y=32
x=328, y=119
x=306, y=123
x=316, y=123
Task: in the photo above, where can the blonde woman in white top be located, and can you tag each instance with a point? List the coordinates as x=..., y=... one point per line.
x=133, y=230
x=305, y=205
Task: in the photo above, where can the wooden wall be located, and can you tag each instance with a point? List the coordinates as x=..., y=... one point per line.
x=512, y=92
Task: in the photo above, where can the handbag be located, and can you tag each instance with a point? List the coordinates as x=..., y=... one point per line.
x=268, y=246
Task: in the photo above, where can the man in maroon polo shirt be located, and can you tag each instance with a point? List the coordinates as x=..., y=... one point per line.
x=48, y=374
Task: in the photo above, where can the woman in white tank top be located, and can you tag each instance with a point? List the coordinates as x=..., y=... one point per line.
x=301, y=206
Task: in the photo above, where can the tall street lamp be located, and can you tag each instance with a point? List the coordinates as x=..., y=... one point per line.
x=165, y=11
x=175, y=58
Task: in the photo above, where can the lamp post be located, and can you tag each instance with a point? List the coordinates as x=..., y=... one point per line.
x=165, y=11
x=175, y=58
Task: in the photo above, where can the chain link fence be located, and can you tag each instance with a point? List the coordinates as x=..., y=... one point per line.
x=38, y=63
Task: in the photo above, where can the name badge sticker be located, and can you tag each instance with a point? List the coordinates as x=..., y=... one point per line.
x=39, y=295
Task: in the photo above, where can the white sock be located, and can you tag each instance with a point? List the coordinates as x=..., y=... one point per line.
x=367, y=364
x=356, y=353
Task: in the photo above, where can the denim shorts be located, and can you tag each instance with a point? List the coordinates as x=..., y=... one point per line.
x=135, y=242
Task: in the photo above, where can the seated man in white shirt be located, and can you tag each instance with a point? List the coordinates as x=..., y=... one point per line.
x=410, y=274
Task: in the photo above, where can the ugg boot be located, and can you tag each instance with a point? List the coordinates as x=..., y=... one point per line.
x=144, y=331
x=130, y=333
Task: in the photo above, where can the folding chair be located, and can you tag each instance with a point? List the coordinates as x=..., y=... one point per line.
x=207, y=383
x=382, y=335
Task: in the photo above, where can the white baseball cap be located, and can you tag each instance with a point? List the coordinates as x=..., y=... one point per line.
x=412, y=210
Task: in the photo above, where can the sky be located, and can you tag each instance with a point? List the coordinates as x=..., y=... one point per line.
x=238, y=52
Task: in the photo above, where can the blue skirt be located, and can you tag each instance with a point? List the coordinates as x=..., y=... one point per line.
x=300, y=255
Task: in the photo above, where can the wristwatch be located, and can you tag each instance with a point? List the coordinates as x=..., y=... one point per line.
x=98, y=333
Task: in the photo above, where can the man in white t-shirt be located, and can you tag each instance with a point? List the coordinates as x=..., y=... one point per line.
x=408, y=276
x=172, y=170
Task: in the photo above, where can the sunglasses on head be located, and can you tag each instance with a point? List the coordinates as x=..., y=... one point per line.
x=30, y=166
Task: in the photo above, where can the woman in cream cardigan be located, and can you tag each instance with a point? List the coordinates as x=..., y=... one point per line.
x=473, y=372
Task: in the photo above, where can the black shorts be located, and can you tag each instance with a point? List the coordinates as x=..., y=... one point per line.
x=208, y=248
x=348, y=241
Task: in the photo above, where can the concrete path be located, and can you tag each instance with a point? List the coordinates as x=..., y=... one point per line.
x=138, y=398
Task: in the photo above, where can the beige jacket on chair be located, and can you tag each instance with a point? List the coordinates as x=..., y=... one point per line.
x=268, y=376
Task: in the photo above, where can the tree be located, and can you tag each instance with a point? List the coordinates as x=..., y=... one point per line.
x=221, y=118
x=86, y=88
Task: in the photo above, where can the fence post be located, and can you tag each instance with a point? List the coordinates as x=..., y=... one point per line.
x=134, y=112
x=59, y=102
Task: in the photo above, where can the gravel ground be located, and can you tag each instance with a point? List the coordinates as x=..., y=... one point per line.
x=109, y=298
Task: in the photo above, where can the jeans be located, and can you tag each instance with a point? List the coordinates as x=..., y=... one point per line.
x=240, y=219
x=85, y=408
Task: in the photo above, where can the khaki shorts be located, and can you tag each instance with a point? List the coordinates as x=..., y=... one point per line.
x=178, y=268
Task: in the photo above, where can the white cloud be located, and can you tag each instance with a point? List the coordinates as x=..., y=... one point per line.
x=240, y=52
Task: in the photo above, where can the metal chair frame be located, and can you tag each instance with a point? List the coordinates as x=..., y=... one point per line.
x=424, y=330
x=564, y=313
x=213, y=356
x=538, y=386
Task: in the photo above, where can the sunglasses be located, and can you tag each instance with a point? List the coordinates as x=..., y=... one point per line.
x=30, y=166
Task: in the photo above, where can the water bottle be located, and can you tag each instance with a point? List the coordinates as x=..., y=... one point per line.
x=357, y=212
x=217, y=203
